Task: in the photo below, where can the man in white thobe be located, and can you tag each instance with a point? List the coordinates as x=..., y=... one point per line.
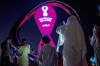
x=74, y=49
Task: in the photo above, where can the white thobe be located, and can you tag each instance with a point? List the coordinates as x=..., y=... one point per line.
x=74, y=49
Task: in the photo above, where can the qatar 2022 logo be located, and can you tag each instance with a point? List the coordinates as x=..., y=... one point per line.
x=46, y=16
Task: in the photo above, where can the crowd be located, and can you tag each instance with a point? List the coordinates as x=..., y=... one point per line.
x=71, y=36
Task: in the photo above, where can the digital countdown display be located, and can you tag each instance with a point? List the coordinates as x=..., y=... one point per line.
x=46, y=16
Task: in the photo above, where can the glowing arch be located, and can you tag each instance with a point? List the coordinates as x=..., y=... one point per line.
x=50, y=4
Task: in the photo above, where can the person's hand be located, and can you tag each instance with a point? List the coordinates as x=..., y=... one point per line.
x=40, y=63
x=57, y=49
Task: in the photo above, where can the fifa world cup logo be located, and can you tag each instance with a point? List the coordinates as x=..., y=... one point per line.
x=45, y=18
x=45, y=22
x=45, y=9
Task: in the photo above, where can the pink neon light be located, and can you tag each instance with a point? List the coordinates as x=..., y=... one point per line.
x=21, y=24
x=60, y=6
x=44, y=31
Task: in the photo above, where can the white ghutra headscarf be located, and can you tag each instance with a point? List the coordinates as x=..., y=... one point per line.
x=76, y=34
x=72, y=33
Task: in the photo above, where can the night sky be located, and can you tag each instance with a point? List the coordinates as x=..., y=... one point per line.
x=12, y=10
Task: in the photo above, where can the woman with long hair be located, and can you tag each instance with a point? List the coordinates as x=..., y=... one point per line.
x=5, y=47
x=95, y=42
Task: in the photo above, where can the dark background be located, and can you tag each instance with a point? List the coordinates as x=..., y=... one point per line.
x=12, y=10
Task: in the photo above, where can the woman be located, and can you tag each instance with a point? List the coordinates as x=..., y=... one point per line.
x=5, y=47
x=95, y=42
x=74, y=49
x=24, y=50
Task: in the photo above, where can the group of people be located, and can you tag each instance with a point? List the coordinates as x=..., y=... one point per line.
x=71, y=36
x=74, y=48
x=11, y=56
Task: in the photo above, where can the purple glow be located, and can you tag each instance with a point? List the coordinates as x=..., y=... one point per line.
x=45, y=22
x=21, y=24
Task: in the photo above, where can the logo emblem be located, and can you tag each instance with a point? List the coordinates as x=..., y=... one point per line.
x=45, y=9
